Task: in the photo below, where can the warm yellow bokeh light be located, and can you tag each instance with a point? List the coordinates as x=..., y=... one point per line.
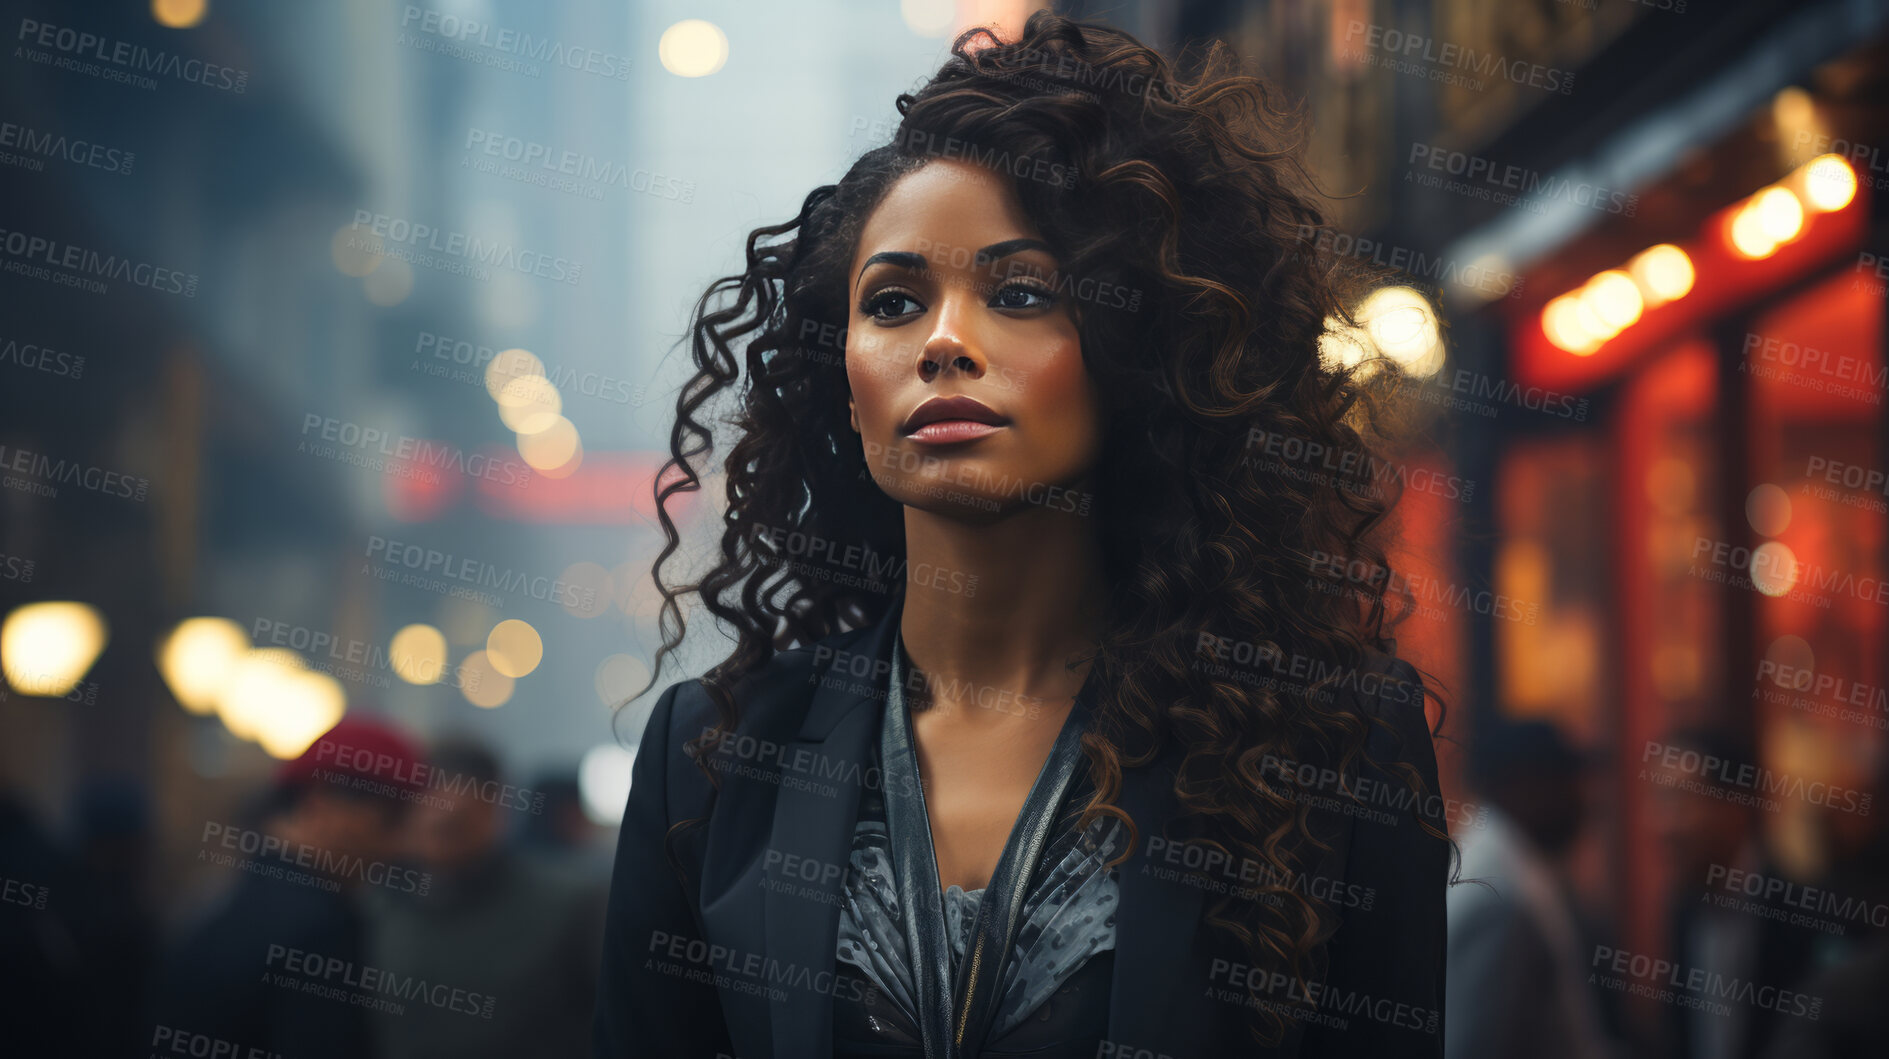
x=509, y=365
x=1773, y=568
x=1829, y=183
x=928, y=18
x=514, y=648
x=618, y=677
x=301, y=707
x=389, y=284
x=1403, y=327
x=1749, y=238
x=47, y=648
x=1664, y=273
x=1614, y=299
x=198, y=657
x=483, y=685
x=550, y=448
x=1561, y=322
x=1779, y=213
x=356, y=251
x=179, y=14
x=418, y=654
x=693, y=48
x=529, y=404
x=243, y=700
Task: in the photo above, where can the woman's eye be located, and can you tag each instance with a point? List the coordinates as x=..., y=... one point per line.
x=887, y=305
x=1022, y=296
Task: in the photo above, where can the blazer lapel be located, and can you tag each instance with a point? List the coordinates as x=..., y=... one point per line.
x=830, y=761
x=1154, y=1002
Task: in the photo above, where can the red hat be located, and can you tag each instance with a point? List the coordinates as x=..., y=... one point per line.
x=360, y=748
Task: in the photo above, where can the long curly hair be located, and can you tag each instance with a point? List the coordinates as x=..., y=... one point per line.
x=1188, y=192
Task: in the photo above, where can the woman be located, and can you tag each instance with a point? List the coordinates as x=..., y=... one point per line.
x=1061, y=720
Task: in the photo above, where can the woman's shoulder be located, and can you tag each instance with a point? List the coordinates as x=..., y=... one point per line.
x=771, y=701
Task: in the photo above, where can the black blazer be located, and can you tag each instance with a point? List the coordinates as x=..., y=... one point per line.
x=741, y=962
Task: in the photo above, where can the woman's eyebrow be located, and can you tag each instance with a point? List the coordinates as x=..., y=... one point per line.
x=903, y=259
x=997, y=251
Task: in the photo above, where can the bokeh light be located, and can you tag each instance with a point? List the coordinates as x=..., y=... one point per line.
x=514, y=647
x=603, y=782
x=693, y=48
x=418, y=654
x=197, y=657
x=47, y=648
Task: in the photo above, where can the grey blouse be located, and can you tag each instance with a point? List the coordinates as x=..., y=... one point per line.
x=1067, y=917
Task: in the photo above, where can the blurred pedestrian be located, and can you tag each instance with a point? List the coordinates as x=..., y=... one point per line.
x=279, y=965
x=1516, y=979
x=507, y=927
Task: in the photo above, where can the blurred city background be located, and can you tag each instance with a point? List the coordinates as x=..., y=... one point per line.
x=340, y=347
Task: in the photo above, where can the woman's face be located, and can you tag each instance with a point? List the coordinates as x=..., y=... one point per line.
x=955, y=294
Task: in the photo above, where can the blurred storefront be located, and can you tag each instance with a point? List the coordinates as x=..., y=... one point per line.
x=1658, y=235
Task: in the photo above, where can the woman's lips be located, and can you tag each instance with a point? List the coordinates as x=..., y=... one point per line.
x=947, y=431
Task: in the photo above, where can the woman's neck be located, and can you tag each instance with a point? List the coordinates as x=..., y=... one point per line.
x=995, y=611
